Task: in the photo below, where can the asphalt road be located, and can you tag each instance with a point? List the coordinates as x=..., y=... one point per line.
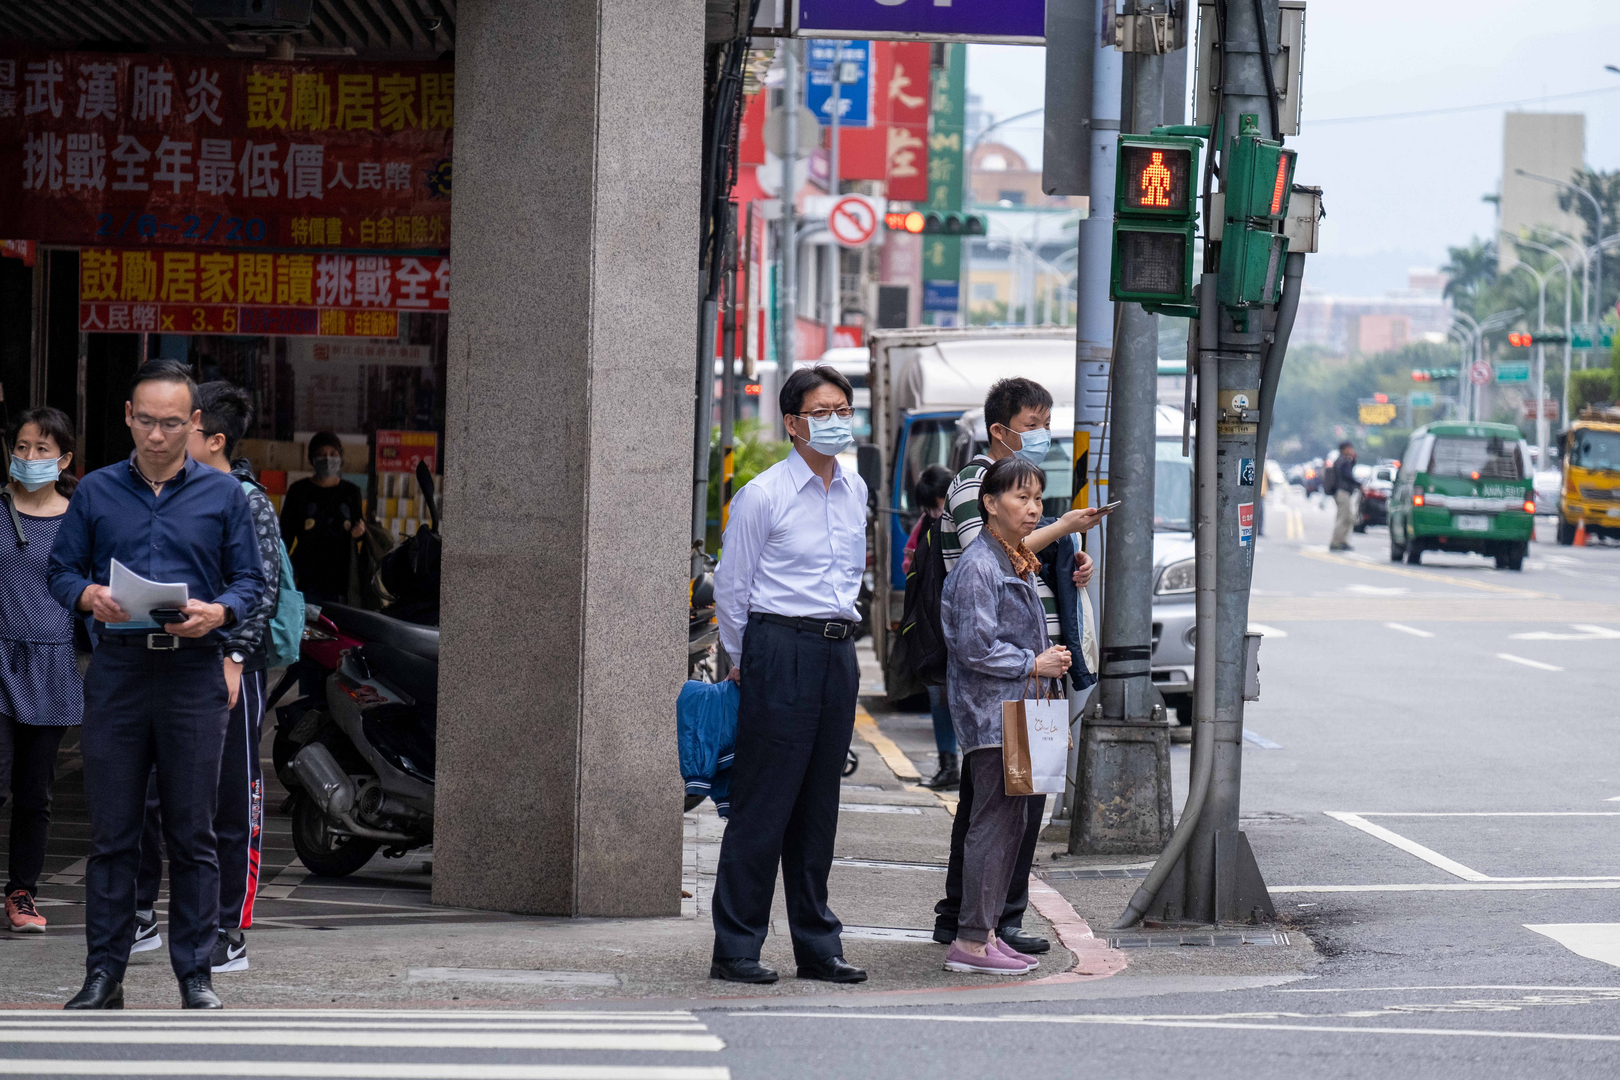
x=1432, y=791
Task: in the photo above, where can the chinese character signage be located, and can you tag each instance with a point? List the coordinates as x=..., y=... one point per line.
x=895, y=148
x=137, y=290
x=399, y=451
x=126, y=150
x=942, y=255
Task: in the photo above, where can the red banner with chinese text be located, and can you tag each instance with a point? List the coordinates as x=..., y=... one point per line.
x=136, y=149
x=228, y=292
x=895, y=148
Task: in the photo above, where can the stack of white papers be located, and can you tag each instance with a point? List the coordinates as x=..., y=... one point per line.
x=138, y=596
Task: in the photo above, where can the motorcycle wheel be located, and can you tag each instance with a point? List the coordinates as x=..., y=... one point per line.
x=322, y=853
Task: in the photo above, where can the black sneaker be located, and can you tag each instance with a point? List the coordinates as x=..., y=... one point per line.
x=147, y=937
x=230, y=952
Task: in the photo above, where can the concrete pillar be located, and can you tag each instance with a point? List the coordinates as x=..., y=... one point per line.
x=572, y=336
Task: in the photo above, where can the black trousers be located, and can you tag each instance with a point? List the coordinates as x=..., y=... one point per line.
x=238, y=822
x=794, y=723
x=27, y=771
x=946, y=911
x=145, y=707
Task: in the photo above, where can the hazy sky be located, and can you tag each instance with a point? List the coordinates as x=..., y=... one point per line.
x=1399, y=191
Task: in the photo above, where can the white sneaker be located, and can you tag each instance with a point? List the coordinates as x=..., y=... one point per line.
x=147, y=937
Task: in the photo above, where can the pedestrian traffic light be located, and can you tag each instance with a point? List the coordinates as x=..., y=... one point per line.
x=1259, y=178
x=1155, y=219
x=945, y=222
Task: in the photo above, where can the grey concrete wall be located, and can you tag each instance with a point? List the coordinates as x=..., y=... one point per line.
x=571, y=343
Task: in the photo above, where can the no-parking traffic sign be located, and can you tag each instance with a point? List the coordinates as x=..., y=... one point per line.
x=853, y=220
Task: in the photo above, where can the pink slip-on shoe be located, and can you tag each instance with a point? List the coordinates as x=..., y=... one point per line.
x=991, y=963
x=1013, y=954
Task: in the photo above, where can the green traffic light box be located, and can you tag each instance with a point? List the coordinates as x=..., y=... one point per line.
x=1155, y=219
x=1259, y=178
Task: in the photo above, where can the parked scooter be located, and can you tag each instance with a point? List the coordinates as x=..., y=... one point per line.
x=359, y=756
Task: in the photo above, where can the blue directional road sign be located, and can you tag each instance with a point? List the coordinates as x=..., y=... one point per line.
x=970, y=20
x=854, y=97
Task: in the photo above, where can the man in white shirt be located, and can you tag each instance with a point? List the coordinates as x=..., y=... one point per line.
x=785, y=591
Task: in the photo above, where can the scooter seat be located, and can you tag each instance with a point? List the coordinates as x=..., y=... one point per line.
x=371, y=626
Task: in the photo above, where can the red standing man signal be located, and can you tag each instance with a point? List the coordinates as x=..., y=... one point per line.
x=1155, y=182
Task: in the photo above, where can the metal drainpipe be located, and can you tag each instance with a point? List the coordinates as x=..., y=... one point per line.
x=1271, y=368
x=1204, y=657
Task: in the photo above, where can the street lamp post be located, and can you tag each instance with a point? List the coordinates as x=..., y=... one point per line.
x=1465, y=385
x=1541, y=355
x=1597, y=209
x=1541, y=421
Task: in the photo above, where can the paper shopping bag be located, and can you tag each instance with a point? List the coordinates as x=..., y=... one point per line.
x=1035, y=745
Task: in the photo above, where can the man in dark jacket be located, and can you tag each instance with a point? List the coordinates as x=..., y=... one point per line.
x=1345, y=490
x=227, y=411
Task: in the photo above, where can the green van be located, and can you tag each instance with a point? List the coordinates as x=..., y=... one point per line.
x=1463, y=487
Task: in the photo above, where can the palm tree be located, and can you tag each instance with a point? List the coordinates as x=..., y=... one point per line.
x=1471, y=268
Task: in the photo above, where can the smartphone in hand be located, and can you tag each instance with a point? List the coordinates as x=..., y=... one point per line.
x=1109, y=508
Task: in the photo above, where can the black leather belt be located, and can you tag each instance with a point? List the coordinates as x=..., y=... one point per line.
x=157, y=642
x=833, y=629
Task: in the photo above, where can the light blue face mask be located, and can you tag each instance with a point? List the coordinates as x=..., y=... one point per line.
x=1035, y=445
x=831, y=436
x=34, y=474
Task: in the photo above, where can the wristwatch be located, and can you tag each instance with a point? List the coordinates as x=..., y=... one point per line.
x=235, y=656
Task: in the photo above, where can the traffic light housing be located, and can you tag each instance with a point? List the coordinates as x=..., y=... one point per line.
x=1155, y=219
x=1259, y=178
x=1431, y=374
x=1527, y=339
x=947, y=222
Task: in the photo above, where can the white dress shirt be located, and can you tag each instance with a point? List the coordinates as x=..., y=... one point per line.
x=791, y=547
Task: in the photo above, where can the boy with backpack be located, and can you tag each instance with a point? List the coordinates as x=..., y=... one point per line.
x=267, y=638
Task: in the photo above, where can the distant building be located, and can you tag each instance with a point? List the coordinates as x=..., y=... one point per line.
x=1547, y=144
x=1365, y=325
x=1001, y=177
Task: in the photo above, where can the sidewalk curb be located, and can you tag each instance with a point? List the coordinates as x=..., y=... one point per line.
x=1093, y=959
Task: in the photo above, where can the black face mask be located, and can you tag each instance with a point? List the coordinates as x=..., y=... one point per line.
x=327, y=466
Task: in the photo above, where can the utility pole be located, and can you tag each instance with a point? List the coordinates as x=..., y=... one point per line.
x=833, y=258
x=788, y=284
x=1123, y=783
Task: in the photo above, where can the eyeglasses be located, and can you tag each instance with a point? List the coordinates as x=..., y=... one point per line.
x=843, y=413
x=171, y=425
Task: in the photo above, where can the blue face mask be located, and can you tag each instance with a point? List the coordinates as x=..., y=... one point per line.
x=1035, y=445
x=35, y=474
x=831, y=436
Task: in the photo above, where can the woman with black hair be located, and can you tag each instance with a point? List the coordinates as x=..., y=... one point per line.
x=929, y=498
x=321, y=518
x=41, y=693
x=998, y=650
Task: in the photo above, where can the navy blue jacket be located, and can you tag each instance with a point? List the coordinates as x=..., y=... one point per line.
x=1057, y=570
x=199, y=531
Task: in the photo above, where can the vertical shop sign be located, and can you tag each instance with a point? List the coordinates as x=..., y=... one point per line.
x=895, y=148
x=942, y=255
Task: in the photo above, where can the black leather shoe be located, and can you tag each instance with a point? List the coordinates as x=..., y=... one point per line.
x=101, y=991
x=1020, y=940
x=743, y=969
x=832, y=969
x=197, y=992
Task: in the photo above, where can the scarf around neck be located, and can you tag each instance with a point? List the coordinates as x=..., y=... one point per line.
x=1023, y=560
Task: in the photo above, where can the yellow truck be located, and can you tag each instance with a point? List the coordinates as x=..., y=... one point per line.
x=1591, y=481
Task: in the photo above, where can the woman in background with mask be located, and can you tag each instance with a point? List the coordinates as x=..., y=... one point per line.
x=41, y=694
x=321, y=518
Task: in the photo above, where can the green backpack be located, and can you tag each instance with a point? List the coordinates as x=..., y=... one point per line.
x=284, y=632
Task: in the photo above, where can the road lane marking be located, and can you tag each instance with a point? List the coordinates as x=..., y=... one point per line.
x=887, y=749
x=1604, y=990
x=876, y=808
x=1595, y=941
x=1421, y=575
x=1527, y=662
x=355, y=1069
x=1489, y=885
x=1411, y=847
x=1260, y=740
x=1192, y=1022
x=1490, y=813
x=214, y=1035
x=1588, y=632
x=1403, y=628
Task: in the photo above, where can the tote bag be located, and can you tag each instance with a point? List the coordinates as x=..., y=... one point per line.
x=1035, y=742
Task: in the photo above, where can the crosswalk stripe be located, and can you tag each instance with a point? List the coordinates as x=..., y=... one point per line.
x=376, y=1038
x=356, y=1070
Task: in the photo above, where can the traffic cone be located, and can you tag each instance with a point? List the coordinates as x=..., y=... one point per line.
x=1580, y=534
